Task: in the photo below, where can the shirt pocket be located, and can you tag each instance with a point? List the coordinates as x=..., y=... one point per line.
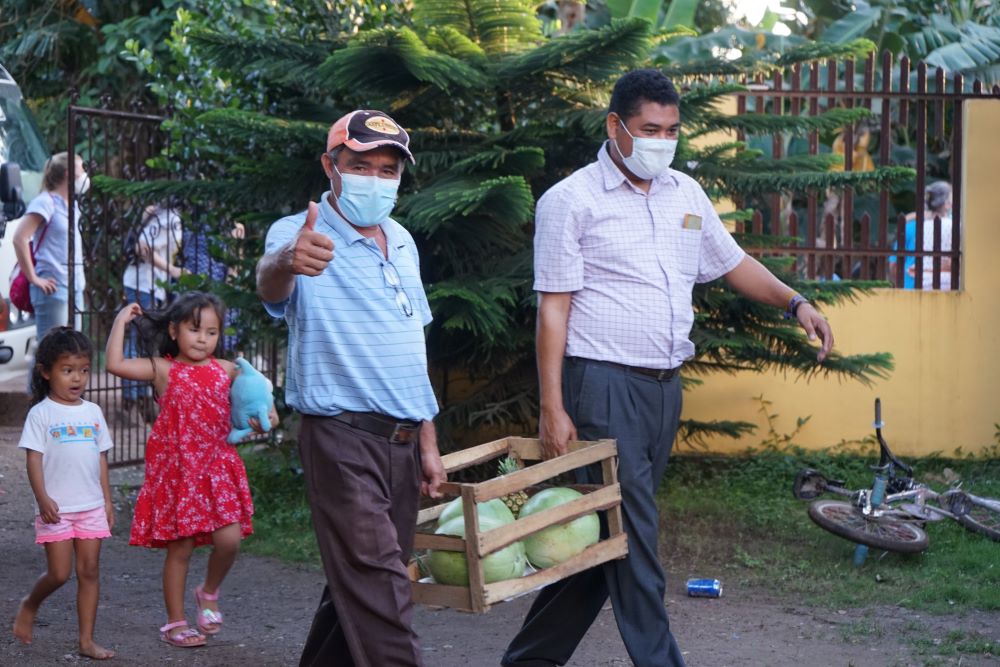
x=683, y=249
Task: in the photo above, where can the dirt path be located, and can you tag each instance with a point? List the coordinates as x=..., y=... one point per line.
x=269, y=605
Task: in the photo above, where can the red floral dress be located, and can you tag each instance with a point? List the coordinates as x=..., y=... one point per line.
x=195, y=481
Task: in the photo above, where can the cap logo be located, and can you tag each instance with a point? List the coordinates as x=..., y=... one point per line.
x=382, y=125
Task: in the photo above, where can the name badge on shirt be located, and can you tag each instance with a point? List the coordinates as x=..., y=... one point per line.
x=692, y=221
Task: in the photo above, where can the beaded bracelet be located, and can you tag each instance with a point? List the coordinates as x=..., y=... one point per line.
x=793, y=305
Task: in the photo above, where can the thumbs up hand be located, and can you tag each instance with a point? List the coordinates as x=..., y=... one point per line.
x=311, y=250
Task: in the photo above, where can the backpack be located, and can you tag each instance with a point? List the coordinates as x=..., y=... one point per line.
x=20, y=288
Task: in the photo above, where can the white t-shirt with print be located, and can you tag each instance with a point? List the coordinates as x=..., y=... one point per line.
x=71, y=439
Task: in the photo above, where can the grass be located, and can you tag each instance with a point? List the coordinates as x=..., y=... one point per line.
x=734, y=518
x=282, y=521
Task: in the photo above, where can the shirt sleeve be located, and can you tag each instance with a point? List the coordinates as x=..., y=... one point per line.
x=558, y=261
x=720, y=253
x=34, y=435
x=104, y=442
x=42, y=206
x=280, y=233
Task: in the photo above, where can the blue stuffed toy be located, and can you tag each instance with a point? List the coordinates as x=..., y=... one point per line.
x=250, y=396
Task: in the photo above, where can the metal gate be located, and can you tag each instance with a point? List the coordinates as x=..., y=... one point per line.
x=123, y=145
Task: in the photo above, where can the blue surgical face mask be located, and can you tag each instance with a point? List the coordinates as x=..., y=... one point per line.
x=366, y=201
x=650, y=157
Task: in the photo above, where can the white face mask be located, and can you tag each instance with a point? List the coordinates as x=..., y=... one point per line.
x=81, y=184
x=650, y=157
x=366, y=201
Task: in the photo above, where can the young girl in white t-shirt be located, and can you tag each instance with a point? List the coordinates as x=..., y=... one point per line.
x=66, y=441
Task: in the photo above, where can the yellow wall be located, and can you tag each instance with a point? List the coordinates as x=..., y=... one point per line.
x=945, y=390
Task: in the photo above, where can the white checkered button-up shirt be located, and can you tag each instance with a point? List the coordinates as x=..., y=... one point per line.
x=631, y=260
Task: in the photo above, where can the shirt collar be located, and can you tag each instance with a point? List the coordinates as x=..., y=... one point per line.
x=337, y=222
x=613, y=176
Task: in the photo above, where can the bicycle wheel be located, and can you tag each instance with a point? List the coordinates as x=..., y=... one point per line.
x=846, y=520
x=976, y=515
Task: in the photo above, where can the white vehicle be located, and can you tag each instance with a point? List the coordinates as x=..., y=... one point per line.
x=22, y=160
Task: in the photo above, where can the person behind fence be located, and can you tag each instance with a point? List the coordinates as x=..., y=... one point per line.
x=150, y=255
x=66, y=440
x=44, y=231
x=619, y=245
x=210, y=255
x=357, y=372
x=195, y=491
x=937, y=204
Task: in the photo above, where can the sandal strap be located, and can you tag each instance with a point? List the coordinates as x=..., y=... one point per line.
x=187, y=633
x=211, y=616
x=200, y=593
x=171, y=626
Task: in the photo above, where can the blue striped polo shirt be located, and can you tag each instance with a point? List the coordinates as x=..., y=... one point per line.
x=350, y=346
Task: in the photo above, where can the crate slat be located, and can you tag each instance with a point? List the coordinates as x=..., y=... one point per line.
x=498, y=538
x=467, y=458
x=438, y=542
x=595, y=554
x=522, y=479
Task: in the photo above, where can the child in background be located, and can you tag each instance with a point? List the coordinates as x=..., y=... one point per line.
x=195, y=490
x=66, y=441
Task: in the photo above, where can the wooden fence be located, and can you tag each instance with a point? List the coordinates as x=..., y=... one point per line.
x=826, y=235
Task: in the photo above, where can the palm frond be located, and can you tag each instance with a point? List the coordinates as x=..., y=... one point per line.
x=586, y=54
x=388, y=61
x=285, y=62
x=497, y=26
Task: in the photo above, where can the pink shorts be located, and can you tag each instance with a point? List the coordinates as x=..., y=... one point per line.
x=88, y=525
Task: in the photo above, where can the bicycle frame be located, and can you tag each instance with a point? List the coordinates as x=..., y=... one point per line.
x=881, y=515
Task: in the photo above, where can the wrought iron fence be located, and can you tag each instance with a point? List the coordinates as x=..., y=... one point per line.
x=917, y=121
x=120, y=234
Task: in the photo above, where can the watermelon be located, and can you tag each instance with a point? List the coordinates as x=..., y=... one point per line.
x=495, y=509
x=556, y=544
x=450, y=567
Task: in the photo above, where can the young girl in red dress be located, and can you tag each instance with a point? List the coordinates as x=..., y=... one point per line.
x=195, y=490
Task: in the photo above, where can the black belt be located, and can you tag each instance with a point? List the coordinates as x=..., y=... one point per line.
x=655, y=373
x=396, y=430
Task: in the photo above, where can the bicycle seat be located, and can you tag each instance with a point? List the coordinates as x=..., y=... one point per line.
x=810, y=484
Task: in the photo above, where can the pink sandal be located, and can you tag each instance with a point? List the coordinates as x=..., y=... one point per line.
x=181, y=638
x=209, y=620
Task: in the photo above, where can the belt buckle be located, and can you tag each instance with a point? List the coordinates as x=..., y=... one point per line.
x=397, y=431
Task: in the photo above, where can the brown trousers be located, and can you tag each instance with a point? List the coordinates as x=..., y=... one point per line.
x=363, y=492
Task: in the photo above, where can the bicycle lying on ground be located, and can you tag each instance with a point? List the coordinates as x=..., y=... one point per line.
x=891, y=514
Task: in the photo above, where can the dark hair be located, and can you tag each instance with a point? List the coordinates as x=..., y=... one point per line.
x=936, y=195
x=54, y=344
x=638, y=86
x=154, y=326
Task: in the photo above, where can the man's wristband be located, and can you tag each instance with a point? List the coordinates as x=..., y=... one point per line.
x=793, y=305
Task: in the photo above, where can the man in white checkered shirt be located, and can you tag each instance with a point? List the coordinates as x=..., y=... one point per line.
x=619, y=245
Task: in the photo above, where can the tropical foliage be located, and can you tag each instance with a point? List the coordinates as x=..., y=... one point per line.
x=961, y=36
x=497, y=113
x=53, y=47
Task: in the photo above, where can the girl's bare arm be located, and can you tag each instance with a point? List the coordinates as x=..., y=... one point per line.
x=47, y=508
x=117, y=364
x=109, y=507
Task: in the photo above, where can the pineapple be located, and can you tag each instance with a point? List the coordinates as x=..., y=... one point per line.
x=514, y=501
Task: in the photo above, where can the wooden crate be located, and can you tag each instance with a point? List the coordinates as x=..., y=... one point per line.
x=477, y=596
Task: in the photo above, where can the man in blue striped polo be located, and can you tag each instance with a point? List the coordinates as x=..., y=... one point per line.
x=346, y=279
